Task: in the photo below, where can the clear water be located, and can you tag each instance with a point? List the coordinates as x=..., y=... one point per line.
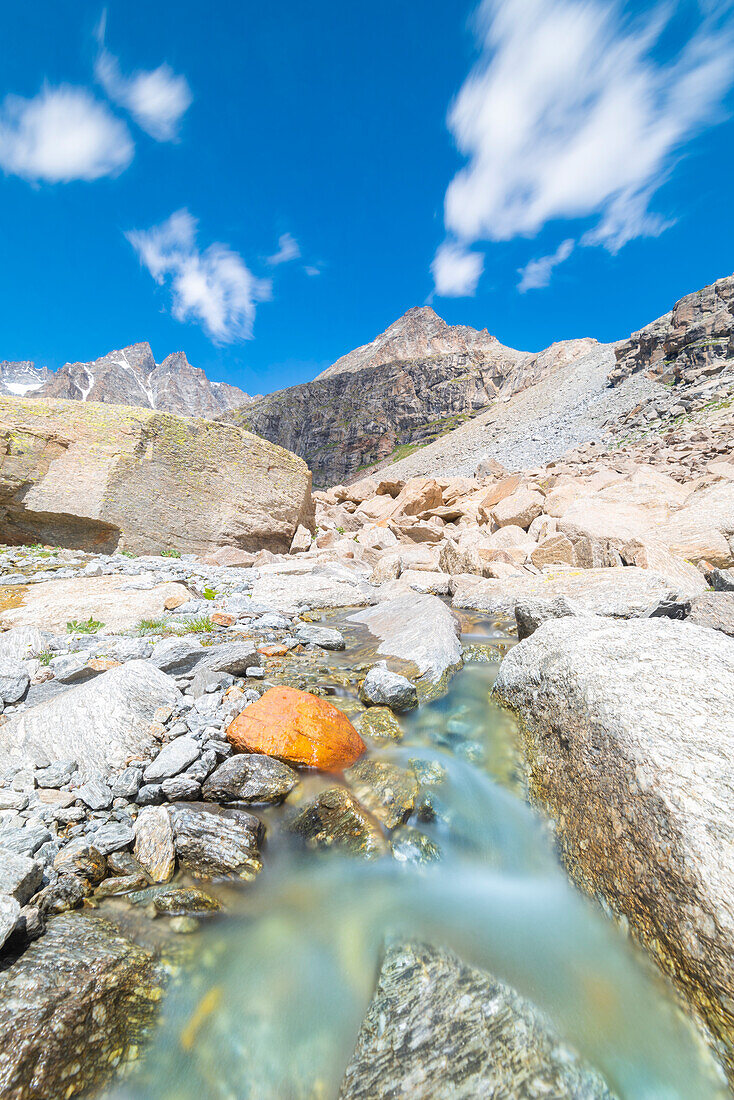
x=273, y=1004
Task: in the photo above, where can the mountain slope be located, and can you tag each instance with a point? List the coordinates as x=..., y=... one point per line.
x=20, y=378
x=131, y=376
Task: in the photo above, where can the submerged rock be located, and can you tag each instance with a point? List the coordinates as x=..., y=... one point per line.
x=299, y=728
x=386, y=790
x=629, y=733
x=72, y=1007
x=440, y=1029
x=379, y=724
x=181, y=901
x=335, y=820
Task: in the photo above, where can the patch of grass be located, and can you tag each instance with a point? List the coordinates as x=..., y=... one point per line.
x=127, y=554
x=200, y=624
x=153, y=626
x=209, y=593
x=170, y=553
x=45, y=657
x=86, y=626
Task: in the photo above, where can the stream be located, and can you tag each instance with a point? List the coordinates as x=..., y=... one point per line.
x=270, y=1003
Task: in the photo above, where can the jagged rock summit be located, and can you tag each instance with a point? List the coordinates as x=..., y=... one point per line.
x=21, y=378
x=131, y=376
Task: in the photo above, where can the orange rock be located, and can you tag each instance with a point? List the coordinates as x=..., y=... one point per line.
x=272, y=650
x=299, y=728
x=172, y=602
x=221, y=618
x=102, y=664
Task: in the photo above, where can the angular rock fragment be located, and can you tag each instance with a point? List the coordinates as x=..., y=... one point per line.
x=214, y=843
x=250, y=777
x=384, y=688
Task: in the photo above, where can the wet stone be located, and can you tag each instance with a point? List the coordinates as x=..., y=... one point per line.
x=386, y=790
x=334, y=820
x=214, y=843
x=82, y=969
x=409, y=845
x=382, y=687
x=378, y=724
x=250, y=778
x=123, y=863
x=182, y=901
x=67, y=892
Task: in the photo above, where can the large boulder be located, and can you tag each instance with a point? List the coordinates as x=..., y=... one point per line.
x=105, y=476
x=438, y=1028
x=115, y=602
x=417, y=628
x=629, y=733
x=622, y=593
x=99, y=724
x=322, y=586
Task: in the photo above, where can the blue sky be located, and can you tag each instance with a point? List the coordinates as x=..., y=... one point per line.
x=266, y=186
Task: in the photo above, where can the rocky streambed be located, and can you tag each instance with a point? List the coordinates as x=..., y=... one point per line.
x=212, y=888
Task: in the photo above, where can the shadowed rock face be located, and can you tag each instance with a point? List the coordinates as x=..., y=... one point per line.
x=71, y=1007
x=101, y=477
x=691, y=344
x=437, y=1028
x=131, y=376
x=629, y=734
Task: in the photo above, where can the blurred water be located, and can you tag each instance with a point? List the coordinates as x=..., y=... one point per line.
x=274, y=1004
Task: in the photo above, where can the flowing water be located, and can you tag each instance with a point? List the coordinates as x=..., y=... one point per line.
x=271, y=1008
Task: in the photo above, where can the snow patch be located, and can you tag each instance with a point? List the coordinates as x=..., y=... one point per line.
x=20, y=388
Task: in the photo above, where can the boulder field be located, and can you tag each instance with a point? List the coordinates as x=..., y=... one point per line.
x=105, y=477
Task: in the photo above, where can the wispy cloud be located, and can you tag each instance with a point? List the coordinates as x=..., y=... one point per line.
x=213, y=288
x=537, y=273
x=62, y=134
x=456, y=271
x=157, y=99
x=570, y=112
x=311, y=270
x=287, y=250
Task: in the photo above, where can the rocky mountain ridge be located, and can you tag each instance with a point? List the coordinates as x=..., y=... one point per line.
x=128, y=376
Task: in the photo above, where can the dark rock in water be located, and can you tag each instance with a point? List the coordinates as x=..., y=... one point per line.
x=410, y=845
x=250, y=777
x=715, y=610
x=386, y=790
x=180, y=901
x=440, y=1029
x=121, y=884
x=213, y=843
x=72, y=1007
x=336, y=820
x=123, y=863
x=378, y=724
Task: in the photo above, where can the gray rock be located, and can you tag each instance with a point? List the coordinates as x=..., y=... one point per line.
x=531, y=611
x=14, y=680
x=181, y=788
x=20, y=876
x=177, y=655
x=95, y=794
x=25, y=841
x=714, y=610
x=83, y=969
x=722, y=580
x=234, y=658
x=440, y=1029
x=72, y=669
x=629, y=731
x=154, y=848
x=322, y=587
x=215, y=843
x=56, y=774
x=64, y=893
x=99, y=724
x=322, y=636
x=9, y=916
x=112, y=837
x=21, y=642
x=172, y=759
x=150, y=794
x=384, y=688
x=13, y=800
x=127, y=783
x=418, y=628
x=250, y=777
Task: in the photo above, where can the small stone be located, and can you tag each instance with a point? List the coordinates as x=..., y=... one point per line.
x=250, y=778
x=25, y=841
x=323, y=636
x=382, y=687
x=177, y=655
x=181, y=788
x=151, y=794
x=182, y=901
x=172, y=759
x=9, y=916
x=56, y=774
x=409, y=845
x=154, y=847
x=127, y=783
x=215, y=843
x=255, y=673
x=123, y=863
x=121, y=884
x=112, y=837
x=68, y=892
x=95, y=794
x=13, y=800
x=81, y=857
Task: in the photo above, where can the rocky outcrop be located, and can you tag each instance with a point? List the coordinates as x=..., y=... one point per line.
x=21, y=378
x=438, y=1028
x=629, y=732
x=104, y=477
x=690, y=346
x=131, y=376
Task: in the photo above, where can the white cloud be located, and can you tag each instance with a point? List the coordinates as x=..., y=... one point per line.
x=569, y=113
x=311, y=270
x=214, y=288
x=287, y=250
x=456, y=271
x=537, y=273
x=62, y=134
x=157, y=99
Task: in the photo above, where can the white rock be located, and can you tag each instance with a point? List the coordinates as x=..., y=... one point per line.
x=417, y=628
